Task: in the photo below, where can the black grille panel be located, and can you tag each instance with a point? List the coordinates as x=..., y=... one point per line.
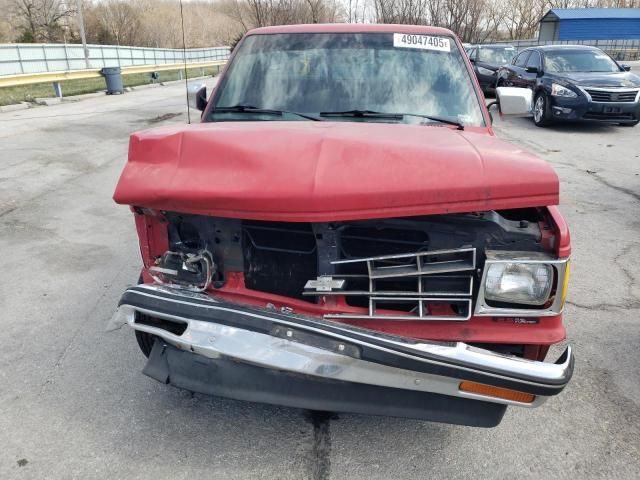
x=608, y=116
x=612, y=95
x=358, y=242
x=279, y=258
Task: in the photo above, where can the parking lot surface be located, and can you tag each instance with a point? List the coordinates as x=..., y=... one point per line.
x=73, y=400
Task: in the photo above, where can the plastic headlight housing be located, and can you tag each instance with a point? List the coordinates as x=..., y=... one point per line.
x=485, y=71
x=518, y=283
x=558, y=90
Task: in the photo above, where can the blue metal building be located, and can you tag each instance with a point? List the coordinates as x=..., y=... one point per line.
x=561, y=24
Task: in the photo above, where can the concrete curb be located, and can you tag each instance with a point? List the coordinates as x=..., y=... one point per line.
x=84, y=96
x=173, y=82
x=48, y=101
x=148, y=85
x=15, y=107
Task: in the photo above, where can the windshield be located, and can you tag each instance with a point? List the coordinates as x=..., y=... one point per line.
x=314, y=73
x=496, y=55
x=579, y=61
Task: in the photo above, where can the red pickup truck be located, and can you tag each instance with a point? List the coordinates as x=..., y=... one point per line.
x=344, y=232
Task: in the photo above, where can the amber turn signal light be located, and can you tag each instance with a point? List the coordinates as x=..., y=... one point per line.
x=496, y=392
x=565, y=283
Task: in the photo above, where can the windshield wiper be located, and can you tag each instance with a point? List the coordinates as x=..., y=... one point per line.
x=374, y=114
x=266, y=111
x=448, y=121
x=361, y=114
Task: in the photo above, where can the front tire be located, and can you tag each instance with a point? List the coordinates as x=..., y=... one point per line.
x=541, y=110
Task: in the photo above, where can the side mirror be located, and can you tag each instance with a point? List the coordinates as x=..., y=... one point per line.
x=197, y=96
x=514, y=101
x=625, y=67
x=472, y=60
x=532, y=70
x=201, y=99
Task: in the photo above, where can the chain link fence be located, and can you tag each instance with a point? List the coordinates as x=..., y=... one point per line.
x=622, y=50
x=20, y=58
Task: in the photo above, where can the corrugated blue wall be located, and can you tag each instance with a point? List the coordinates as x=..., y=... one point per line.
x=599, y=29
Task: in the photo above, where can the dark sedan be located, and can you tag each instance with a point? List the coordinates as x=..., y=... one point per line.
x=487, y=59
x=575, y=83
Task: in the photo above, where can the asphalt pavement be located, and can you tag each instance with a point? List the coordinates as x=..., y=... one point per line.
x=73, y=400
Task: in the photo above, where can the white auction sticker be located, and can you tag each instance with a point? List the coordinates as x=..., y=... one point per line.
x=424, y=42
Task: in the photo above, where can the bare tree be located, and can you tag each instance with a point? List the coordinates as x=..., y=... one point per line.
x=262, y=13
x=119, y=21
x=321, y=11
x=41, y=20
x=401, y=11
x=7, y=29
x=155, y=23
x=479, y=20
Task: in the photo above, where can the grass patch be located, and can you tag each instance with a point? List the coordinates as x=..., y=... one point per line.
x=27, y=93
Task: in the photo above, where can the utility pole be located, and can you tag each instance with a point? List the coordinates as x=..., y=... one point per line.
x=83, y=37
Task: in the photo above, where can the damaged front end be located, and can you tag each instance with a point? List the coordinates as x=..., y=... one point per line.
x=396, y=316
x=221, y=348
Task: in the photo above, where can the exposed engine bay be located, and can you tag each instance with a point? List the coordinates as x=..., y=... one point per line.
x=426, y=267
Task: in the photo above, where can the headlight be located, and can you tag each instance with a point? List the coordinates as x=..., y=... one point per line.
x=558, y=90
x=519, y=283
x=485, y=71
x=191, y=270
x=522, y=284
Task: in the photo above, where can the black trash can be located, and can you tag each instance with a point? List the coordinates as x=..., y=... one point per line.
x=114, y=80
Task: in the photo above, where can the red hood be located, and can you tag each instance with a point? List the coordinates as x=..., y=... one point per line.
x=326, y=171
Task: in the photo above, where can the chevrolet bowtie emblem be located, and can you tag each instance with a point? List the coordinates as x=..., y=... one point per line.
x=324, y=284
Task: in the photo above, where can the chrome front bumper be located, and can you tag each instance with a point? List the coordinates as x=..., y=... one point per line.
x=325, y=351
